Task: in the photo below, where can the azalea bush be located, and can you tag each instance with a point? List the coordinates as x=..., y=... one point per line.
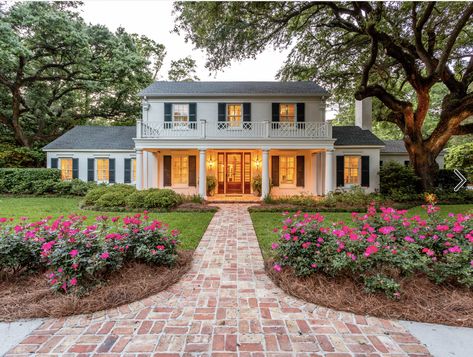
x=380, y=247
x=75, y=255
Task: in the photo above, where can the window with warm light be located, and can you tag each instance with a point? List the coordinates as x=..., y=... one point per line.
x=66, y=169
x=352, y=170
x=102, y=170
x=180, y=113
x=133, y=168
x=234, y=114
x=180, y=170
x=287, y=170
x=287, y=113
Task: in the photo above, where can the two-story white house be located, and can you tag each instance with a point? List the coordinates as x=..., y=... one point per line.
x=234, y=131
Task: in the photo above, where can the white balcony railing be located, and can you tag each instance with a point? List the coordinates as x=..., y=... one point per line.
x=227, y=129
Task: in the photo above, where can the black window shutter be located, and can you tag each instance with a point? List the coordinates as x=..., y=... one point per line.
x=111, y=170
x=406, y=163
x=90, y=169
x=300, y=170
x=301, y=112
x=127, y=174
x=54, y=163
x=75, y=168
x=381, y=163
x=192, y=170
x=340, y=171
x=365, y=171
x=275, y=170
x=193, y=112
x=246, y=111
x=221, y=112
x=167, y=111
x=167, y=170
x=275, y=111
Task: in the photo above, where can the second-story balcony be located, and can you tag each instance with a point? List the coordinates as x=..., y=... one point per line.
x=227, y=129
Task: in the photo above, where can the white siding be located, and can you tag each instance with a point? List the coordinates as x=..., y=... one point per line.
x=400, y=158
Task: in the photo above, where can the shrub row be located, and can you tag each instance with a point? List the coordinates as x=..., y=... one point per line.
x=40, y=182
x=380, y=247
x=128, y=197
x=77, y=256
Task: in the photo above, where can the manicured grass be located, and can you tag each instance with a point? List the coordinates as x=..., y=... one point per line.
x=265, y=222
x=192, y=225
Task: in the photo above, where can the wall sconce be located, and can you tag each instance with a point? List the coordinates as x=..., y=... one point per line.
x=257, y=162
x=145, y=104
x=211, y=163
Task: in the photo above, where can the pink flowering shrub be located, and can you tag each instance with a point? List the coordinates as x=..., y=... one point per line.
x=379, y=247
x=75, y=255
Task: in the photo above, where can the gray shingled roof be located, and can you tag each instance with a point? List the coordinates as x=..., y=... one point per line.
x=165, y=88
x=354, y=135
x=96, y=137
x=394, y=146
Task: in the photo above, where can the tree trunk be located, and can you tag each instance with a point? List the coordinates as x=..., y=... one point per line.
x=424, y=164
x=20, y=136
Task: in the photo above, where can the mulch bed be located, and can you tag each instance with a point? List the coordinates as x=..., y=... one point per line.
x=421, y=300
x=31, y=296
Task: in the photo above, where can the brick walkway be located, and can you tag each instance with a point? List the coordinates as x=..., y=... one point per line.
x=225, y=306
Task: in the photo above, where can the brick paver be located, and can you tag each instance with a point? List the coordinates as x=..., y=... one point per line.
x=225, y=306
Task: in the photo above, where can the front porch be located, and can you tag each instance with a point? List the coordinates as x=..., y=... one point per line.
x=238, y=173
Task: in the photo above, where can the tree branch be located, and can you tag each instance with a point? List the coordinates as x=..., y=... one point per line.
x=388, y=99
x=417, y=28
x=464, y=129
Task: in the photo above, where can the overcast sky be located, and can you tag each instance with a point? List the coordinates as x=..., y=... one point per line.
x=155, y=20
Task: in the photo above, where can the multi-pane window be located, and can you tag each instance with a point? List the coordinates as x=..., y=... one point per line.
x=234, y=114
x=287, y=113
x=352, y=170
x=180, y=113
x=133, y=170
x=66, y=169
x=102, y=170
x=287, y=170
x=180, y=170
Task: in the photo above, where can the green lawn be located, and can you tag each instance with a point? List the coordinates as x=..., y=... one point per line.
x=192, y=225
x=265, y=222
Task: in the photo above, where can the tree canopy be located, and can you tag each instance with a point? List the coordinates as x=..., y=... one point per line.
x=57, y=71
x=396, y=52
x=183, y=70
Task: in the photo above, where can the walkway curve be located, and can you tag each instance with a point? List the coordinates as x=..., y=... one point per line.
x=225, y=306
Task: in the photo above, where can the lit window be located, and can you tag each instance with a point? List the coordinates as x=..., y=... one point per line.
x=352, y=169
x=287, y=113
x=234, y=112
x=180, y=170
x=287, y=166
x=66, y=169
x=180, y=113
x=102, y=170
x=133, y=168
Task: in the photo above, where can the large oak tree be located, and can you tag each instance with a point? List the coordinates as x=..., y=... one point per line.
x=56, y=71
x=393, y=51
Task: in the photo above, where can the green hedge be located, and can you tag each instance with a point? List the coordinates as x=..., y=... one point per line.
x=27, y=181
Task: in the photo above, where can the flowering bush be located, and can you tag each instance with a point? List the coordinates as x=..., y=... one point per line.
x=379, y=247
x=76, y=255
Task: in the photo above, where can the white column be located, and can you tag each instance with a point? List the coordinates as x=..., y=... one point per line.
x=329, y=172
x=265, y=174
x=202, y=174
x=139, y=169
x=315, y=173
x=145, y=170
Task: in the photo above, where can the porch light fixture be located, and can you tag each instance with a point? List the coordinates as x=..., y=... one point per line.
x=211, y=163
x=257, y=162
x=146, y=104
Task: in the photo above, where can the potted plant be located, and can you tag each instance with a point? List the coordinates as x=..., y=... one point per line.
x=256, y=185
x=211, y=184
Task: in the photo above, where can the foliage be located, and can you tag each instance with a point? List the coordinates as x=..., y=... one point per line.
x=447, y=179
x=257, y=185
x=355, y=196
x=18, y=157
x=93, y=196
x=183, y=70
x=386, y=242
x=461, y=157
x=397, y=178
x=78, y=256
x=57, y=71
x=136, y=199
x=25, y=181
x=211, y=185
x=402, y=53
x=162, y=198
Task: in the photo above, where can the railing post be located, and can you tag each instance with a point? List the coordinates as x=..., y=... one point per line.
x=139, y=131
x=267, y=128
x=203, y=124
x=329, y=130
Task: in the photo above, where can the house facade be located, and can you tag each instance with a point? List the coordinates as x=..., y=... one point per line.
x=236, y=132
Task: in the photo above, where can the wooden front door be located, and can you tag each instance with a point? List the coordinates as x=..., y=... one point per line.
x=234, y=173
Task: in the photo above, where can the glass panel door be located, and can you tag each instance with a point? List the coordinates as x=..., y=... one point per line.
x=234, y=173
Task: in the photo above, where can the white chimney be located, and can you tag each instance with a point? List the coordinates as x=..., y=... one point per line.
x=363, y=113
